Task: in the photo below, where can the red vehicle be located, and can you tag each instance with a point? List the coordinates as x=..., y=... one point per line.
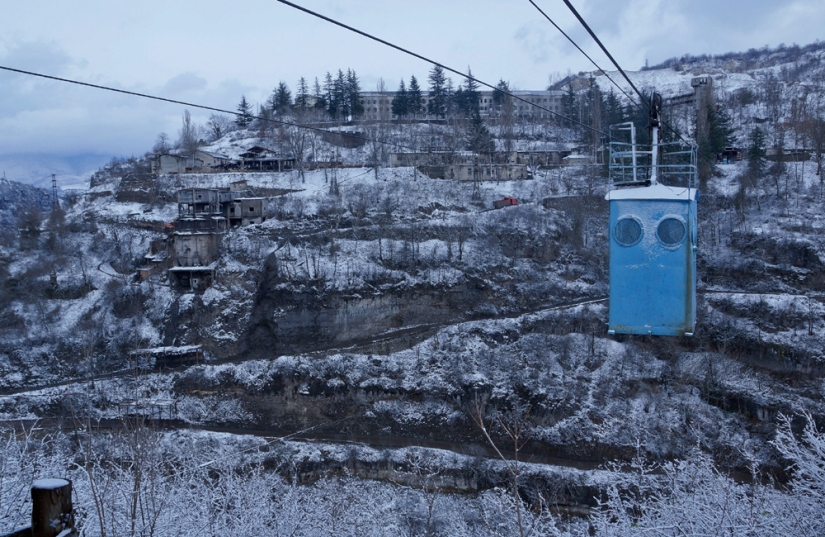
x=505, y=202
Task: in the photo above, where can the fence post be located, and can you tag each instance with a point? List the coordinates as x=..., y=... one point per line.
x=52, y=512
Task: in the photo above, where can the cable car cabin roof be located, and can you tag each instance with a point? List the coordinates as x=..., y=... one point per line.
x=653, y=192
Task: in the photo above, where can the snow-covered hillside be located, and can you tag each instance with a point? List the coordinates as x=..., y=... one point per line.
x=381, y=324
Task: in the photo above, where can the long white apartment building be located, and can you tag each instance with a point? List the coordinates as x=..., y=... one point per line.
x=378, y=105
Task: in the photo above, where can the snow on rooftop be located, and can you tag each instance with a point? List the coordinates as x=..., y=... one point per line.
x=653, y=192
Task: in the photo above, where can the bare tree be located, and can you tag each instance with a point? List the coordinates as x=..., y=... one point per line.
x=162, y=145
x=517, y=430
x=296, y=139
x=188, y=135
x=219, y=126
x=379, y=132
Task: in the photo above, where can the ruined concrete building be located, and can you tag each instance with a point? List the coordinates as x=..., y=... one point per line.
x=204, y=214
x=192, y=246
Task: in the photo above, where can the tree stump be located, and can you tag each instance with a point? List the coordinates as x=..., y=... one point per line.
x=52, y=513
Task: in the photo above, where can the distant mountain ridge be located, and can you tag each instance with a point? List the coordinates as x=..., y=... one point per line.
x=745, y=61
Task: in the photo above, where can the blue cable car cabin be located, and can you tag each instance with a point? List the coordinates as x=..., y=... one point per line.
x=652, y=235
x=652, y=261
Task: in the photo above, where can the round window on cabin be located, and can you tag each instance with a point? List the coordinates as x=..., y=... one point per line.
x=671, y=231
x=628, y=231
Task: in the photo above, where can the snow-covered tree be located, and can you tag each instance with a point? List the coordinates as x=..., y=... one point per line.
x=439, y=96
x=244, y=115
x=400, y=102
x=415, y=100
x=281, y=99
x=302, y=96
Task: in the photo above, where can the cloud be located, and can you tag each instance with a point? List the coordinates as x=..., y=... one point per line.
x=184, y=83
x=45, y=116
x=190, y=54
x=38, y=56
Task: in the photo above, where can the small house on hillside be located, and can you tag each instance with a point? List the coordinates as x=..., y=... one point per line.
x=212, y=161
x=168, y=164
x=261, y=159
x=730, y=155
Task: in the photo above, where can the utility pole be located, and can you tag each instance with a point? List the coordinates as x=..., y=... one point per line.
x=55, y=199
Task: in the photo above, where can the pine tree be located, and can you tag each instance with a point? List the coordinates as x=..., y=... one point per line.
x=479, y=138
x=449, y=96
x=281, y=100
x=613, y=107
x=500, y=93
x=415, y=101
x=591, y=112
x=400, y=103
x=302, y=97
x=471, y=92
x=355, y=103
x=339, y=104
x=331, y=95
x=319, y=96
x=569, y=106
x=721, y=130
x=719, y=135
x=503, y=103
x=244, y=116
x=438, y=92
x=757, y=154
x=467, y=98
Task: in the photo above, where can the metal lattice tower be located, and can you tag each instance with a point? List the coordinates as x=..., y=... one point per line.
x=55, y=198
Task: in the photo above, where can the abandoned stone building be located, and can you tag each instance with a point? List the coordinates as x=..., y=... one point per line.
x=204, y=214
x=245, y=212
x=192, y=246
x=479, y=172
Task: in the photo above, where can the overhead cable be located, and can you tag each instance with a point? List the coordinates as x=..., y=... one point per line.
x=629, y=81
x=583, y=52
x=607, y=52
x=200, y=106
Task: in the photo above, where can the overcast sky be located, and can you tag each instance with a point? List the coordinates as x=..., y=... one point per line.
x=213, y=52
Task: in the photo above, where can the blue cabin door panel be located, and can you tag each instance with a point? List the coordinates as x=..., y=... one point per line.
x=652, y=280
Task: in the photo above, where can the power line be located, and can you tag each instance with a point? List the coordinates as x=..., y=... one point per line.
x=626, y=77
x=583, y=52
x=200, y=106
x=607, y=52
x=441, y=65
